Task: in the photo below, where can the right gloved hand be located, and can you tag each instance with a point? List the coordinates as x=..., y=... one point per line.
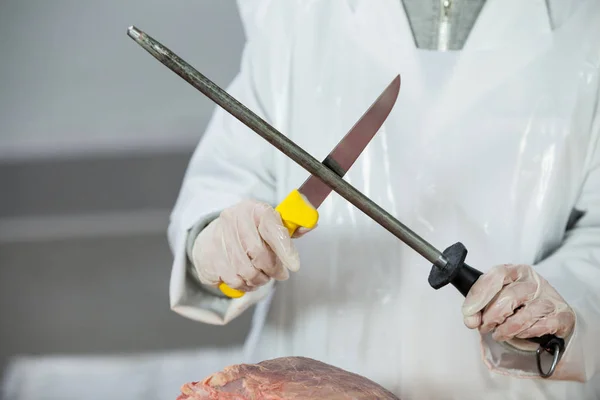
x=245, y=247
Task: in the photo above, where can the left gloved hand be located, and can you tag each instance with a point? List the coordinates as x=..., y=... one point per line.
x=515, y=302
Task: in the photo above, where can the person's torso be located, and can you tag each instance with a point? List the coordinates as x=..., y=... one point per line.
x=487, y=146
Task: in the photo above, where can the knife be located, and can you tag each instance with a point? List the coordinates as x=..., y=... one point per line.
x=299, y=208
x=448, y=267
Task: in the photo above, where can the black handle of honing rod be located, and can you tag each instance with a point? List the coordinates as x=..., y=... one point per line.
x=463, y=277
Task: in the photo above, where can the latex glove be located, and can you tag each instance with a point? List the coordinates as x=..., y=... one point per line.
x=245, y=247
x=515, y=302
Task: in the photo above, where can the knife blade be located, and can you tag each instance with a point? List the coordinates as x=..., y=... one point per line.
x=339, y=160
x=345, y=153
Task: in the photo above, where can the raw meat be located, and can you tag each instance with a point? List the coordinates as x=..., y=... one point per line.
x=296, y=378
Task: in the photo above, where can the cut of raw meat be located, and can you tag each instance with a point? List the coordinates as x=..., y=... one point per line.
x=289, y=378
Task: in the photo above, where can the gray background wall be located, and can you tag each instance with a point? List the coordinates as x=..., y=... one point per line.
x=95, y=135
x=73, y=82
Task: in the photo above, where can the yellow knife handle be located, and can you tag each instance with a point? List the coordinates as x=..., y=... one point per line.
x=295, y=212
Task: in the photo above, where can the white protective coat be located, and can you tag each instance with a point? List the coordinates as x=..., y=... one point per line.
x=493, y=146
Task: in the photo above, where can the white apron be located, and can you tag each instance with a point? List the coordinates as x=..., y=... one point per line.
x=488, y=146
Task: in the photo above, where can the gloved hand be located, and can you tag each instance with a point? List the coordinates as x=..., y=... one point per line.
x=515, y=302
x=245, y=247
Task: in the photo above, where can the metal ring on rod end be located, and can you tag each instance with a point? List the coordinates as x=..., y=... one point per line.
x=538, y=355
